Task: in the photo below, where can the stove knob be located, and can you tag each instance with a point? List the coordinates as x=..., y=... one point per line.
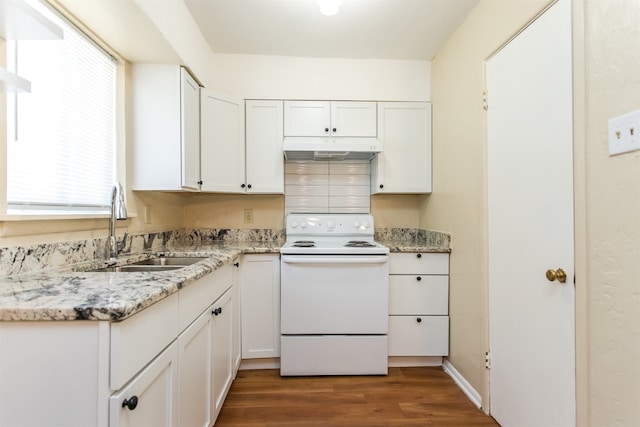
x=366, y=224
x=331, y=224
x=303, y=224
x=356, y=224
x=294, y=224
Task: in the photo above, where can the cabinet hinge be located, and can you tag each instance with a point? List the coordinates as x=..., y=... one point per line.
x=487, y=360
x=485, y=103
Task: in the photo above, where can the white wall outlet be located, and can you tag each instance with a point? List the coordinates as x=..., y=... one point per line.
x=248, y=216
x=147, y=214
x=624, y=133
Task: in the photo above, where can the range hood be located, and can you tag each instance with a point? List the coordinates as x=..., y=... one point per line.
x=330, y=148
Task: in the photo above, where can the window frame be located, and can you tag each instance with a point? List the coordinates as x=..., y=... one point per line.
x=120, y=131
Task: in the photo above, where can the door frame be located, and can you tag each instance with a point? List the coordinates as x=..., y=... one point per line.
x=579, y=77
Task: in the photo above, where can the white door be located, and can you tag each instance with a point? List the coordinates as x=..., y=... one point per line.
x=530, y=213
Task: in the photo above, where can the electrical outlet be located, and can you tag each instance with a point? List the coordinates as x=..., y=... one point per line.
x=624, y=133
x=147, y=214
x=248, y=216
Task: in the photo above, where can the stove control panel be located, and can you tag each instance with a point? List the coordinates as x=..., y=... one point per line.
x=330, y=224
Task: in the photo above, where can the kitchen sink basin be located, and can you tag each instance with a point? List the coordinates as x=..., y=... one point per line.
x=152, y=264
x=169, y=261
x=138, y=268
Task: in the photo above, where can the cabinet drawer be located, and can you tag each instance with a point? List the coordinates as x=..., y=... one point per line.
x=427, y=337
x=419, y=295
x=420, y=263
x=137, y=340
x=155, y=392
x=197, y=296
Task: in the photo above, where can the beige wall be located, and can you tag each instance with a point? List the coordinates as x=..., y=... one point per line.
x=611, y=264
x=284, y=77
x=458, y=201
x=606, y=40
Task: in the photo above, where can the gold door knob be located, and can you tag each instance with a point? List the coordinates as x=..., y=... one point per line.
x=558, y=274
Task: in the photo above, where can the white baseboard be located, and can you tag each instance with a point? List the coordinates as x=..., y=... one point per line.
x=464, y=385
x=268, y=363
x=407, y=361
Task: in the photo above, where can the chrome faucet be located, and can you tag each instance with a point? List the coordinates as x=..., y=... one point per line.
x=118, y=212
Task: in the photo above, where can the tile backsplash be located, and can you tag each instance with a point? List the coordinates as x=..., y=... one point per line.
x=327, y=187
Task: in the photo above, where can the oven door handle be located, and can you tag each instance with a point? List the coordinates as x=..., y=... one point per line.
x=335, y=259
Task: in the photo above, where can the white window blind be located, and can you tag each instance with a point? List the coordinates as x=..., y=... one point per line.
x=61, y=137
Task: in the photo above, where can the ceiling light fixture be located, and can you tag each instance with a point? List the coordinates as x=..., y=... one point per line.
x=329, y=7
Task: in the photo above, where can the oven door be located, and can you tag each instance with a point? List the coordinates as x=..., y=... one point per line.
x=334, y=294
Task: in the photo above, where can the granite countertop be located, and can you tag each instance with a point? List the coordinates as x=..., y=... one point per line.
x=74, y=293
x=412, y=246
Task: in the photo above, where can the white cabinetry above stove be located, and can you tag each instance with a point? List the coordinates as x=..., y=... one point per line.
x=330, y=118
x=404, y=166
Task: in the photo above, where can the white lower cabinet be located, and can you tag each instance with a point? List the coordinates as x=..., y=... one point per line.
x=236, y=352
x=150, y=399
x=194, y=354
x=419, y=304
x=186, y=384
x=171, y=364
x=260, y=295
x=221, y=351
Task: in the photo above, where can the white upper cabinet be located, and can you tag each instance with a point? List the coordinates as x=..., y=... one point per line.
x=166, y=129
x=329, y=118
x=222, y=142
x=190, y=118
x=404, y=166
x=264, y=158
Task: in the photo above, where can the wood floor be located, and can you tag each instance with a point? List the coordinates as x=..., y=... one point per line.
x=423, y=396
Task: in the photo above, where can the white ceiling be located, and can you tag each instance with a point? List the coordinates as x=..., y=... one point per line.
x=389, y=29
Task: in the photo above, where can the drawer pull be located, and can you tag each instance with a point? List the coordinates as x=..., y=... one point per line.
x=419, y=255
x=130, y=403
x=419, y=320
x=418, y=278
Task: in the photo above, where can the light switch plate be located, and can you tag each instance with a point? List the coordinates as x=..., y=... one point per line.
x=624, y=133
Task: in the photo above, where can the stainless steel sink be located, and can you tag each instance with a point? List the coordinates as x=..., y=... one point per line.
x=152, y=264
x=169, y=261
x=138, y=268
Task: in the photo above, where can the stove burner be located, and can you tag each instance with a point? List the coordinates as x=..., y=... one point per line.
x=304, y=244
x=359, y=244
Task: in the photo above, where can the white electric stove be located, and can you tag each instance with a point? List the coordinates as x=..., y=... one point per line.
x=334, y=296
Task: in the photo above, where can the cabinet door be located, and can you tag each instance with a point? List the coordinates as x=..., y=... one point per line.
x=151, y=396
x=350, y=118
x=221, y=345
x=190, y=132
x=194, y=372
x=222, y=143
x=405, y=164
x=260, y=297
x=307, y=118
x=264, y=158
x=236, y=351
